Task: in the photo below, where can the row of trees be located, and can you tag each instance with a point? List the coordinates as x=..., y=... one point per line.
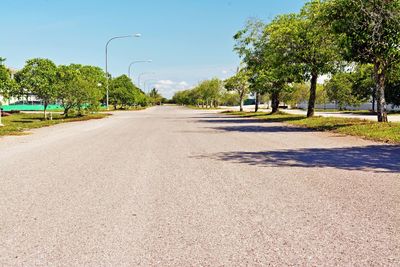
x=341, y=38
x=74, y=86
x=208, y=93
x=212, y=93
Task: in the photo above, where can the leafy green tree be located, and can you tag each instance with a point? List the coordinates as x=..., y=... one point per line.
x=340, y=89
x=210, y=91
x=392, y=91
x=306, y=42
x=267, y=59
x=124, y=93
x=369, y=33
x=206, y=94
x=79, y=86
x=7, y=84
x=239, y=83
x=181, y=97
x=39, y=77
x=299, y=94
x=229, y=98
x=277, y=73
x=92, y=80
x=68, y=87
x=155, y=97
x=249, y=45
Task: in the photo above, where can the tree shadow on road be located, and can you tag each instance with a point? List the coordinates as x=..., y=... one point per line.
x=261, y=118
x=374, y=158
x=261, y=129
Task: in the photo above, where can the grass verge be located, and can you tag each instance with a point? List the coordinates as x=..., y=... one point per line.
x=18, y=124
x=359, y=112
x=383, y=132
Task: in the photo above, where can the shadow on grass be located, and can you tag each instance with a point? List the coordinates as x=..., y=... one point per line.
x=329, y=127
x=374, y=158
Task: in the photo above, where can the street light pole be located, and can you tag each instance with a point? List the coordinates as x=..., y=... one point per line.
x=141, y=74
x=146, y=81
x=108, y=42
x=137, y=61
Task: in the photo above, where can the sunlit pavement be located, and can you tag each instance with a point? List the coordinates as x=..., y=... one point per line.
x=171, y=186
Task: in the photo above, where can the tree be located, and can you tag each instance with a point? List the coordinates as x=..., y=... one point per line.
x=364, y=87
x=268, y=59
x=68, y=87
x=239, y=83
x=299, y=94
x=39, y=77
x=155, y=96
x=278, y=72
x=369, y=33
x=210, y=91
x=229, y=98
x=340, y=89
x=249, y=47
x=123, y=92
x=7, y=84
x=93, y=80
x=207, y=93
x=392, y=91
x=307, y=43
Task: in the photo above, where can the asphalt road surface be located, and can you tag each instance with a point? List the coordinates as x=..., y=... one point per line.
x=170, y=186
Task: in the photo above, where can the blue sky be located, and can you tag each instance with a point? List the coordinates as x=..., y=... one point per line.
x=188, y=40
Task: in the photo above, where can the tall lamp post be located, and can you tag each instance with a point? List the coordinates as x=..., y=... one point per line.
x=137, y=61
x=141, y=74
x=108, y=42
x=147, y=82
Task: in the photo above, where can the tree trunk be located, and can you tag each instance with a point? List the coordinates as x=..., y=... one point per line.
x=313, y=94
x=257, y=102
x=66, y=110
x=373, y=99
x=241, y=102
x=275, y=102
x=44, y=109
x=379, y=74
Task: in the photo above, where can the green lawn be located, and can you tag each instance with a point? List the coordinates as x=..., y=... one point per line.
x=359, y=112
x=384, y=132
x=18, y=124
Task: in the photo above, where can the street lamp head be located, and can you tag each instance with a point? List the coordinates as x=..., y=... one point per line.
x=137, y=35
x=149, y=61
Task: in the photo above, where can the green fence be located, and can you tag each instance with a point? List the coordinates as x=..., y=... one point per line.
x=30, y=107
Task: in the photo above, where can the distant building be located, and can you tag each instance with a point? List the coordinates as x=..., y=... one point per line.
x=29, y=99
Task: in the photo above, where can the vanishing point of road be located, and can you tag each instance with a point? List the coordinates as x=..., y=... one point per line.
x=170, y=186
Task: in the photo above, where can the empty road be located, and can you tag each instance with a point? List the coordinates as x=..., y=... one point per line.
x=171, y=186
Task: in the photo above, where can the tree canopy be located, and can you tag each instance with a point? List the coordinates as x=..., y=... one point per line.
x=369, y=33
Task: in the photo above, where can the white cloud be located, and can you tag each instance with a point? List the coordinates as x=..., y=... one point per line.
x=165, y=82
x=168, y=87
